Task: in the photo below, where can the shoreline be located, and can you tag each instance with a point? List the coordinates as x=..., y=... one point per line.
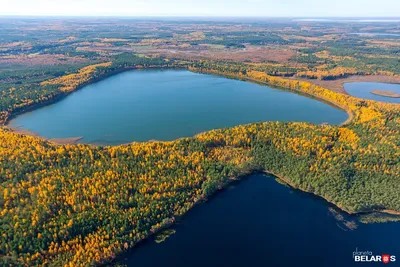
x=73, y=140
x=58, y=141
x=231, y=180
x=338, y=84
x=61, y=94
x=318, y=98
x=291, y=185
x=323, y=83
x=66, y=140
x=349, y=112
x=237, y=180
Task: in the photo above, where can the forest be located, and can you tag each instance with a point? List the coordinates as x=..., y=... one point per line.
x=76, y=205
x=81, y=204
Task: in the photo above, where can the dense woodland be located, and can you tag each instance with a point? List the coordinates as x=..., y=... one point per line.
x=75, y=205
x=79, y=205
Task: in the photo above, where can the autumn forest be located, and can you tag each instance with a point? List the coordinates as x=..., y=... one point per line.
x=81, y=204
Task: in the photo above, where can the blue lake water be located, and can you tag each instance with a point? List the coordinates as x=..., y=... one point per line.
x=376, y=34
x=260, y=222
x=363, y=90
x=142, y=105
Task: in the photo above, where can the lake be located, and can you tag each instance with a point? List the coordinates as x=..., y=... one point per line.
x=260, y=222
x=363, y=90
x=141, y=105
x=376, y=34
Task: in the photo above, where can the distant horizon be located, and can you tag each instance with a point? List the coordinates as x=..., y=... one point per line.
x=204, y=8
x=202, y=16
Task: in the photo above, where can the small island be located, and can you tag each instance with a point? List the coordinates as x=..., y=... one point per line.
x=385, y=93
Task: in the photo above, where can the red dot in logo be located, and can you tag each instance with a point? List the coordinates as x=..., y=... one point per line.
x=385, y=258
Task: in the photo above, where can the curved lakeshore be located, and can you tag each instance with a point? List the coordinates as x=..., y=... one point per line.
x=315, y=96
x=336, y=205
x=57, y=141
x=388, y=92
x=74, y=140
x=337, y=85
x=168, y=179
x=168, y=104
x=255, y=216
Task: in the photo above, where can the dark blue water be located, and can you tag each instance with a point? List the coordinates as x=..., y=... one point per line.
x=168, y=104
x=260, y=222
x=363, y=90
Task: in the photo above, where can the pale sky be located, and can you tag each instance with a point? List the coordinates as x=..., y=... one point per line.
x=263, y=8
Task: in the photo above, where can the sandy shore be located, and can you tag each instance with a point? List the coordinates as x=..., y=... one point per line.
x=58, y=141
x=386, y=93
x=65, y=141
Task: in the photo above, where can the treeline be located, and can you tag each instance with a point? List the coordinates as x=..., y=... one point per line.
x=80, y=205
x=329, y=74
x=343, y=53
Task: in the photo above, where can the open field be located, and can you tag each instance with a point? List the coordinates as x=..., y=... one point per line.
x=280, y=47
